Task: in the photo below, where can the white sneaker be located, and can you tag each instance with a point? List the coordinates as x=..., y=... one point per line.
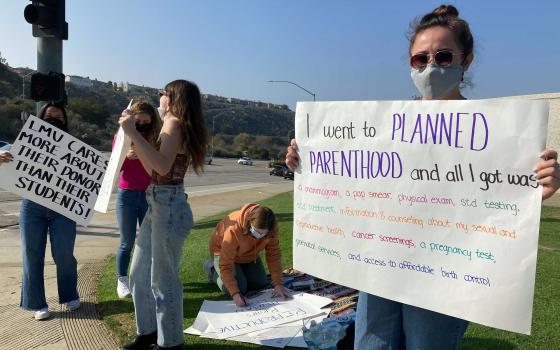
x=73, y=305
x=123, y=291
x=42, y=314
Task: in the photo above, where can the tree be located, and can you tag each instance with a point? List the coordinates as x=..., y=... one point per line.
x=241, y=142
x=90, y=110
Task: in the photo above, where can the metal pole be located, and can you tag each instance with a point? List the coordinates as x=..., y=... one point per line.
x=213, y=118
x=49, y=59
x=291, y=82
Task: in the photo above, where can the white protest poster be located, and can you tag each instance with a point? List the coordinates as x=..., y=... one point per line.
x=227, y=320
x=55, y=170
x=428, y=203
x=270, y=333
x=120, y=148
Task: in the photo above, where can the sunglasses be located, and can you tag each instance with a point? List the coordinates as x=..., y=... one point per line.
x=162, y=93
x=442, y=58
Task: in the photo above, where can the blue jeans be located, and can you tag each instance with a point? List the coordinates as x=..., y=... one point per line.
x=386, y=324
x=155, y=284
x=249, y=276
x=131, y=206
x=35, y=223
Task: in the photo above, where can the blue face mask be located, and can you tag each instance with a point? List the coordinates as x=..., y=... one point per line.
x=435, y=81
x=256, y=233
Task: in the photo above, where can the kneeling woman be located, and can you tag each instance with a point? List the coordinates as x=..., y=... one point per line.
x=236, y=243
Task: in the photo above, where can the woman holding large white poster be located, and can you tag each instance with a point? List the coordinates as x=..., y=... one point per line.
x=36, y=223
x=155, y=284
x=440, y=51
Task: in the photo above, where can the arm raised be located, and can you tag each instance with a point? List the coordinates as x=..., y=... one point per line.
x=170, y=143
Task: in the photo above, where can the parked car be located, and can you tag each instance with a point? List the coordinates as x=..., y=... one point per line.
x=245, y=161
x=289, y=175
x=278, y=170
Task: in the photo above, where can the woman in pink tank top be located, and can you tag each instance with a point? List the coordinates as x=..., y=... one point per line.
x=131, y=205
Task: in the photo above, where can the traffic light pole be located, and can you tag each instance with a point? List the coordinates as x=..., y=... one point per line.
x=49, y=59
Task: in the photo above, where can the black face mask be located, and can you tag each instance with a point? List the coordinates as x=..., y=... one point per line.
x=143, y=127
x=56, y=123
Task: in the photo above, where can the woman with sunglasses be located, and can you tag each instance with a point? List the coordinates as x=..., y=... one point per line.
x=440, y=51
x=155, y=284
x=35, y=224
x=235, y=245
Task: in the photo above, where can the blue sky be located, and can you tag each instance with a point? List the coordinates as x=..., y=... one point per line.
x=341, y=50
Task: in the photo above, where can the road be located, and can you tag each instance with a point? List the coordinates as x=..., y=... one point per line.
x=223, y=186
x=224, y=175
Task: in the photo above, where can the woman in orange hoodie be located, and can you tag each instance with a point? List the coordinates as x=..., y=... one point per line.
x=236, y=243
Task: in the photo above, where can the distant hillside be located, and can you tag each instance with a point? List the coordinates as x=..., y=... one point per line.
x=10, y=83
x=94, y=107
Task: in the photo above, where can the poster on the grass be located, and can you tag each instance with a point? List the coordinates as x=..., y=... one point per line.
x=55, y=170
x=121, y=145
x=429, y=203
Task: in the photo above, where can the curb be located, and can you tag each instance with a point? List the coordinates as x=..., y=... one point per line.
x=79, y=329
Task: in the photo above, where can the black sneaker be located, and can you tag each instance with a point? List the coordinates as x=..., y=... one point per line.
x=142, y=342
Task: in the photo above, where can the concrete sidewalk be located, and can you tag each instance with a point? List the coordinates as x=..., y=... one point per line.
x=83, y=329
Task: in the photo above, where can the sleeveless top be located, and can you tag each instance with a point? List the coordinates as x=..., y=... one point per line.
x=176, y=173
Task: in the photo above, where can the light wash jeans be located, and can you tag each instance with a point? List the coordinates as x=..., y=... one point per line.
x=131, y=207
x=35, y=223
x=383, y=324
x=156, y=287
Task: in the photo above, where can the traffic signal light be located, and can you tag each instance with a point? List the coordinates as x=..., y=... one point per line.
x=48, y=18
x=48, y=87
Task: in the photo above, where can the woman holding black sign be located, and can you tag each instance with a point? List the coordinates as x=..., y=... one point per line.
x=440, y=51
x=156, y=287
x=35, y=224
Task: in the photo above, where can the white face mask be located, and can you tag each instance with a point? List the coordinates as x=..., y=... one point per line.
x=256, y=233
x=435, y=81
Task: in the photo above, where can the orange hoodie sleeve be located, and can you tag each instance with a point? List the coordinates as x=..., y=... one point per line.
x=228, y=254
x=273, y=259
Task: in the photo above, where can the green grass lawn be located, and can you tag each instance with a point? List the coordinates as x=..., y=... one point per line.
x=119, y=314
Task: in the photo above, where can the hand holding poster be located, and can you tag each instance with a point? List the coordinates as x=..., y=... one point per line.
x=120, y=148
x=429, y=203
x=54, y=169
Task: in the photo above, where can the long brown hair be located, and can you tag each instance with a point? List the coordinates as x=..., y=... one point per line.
x=446, y=16
x=145, y=107
x=263, y=218
x=185, y=103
